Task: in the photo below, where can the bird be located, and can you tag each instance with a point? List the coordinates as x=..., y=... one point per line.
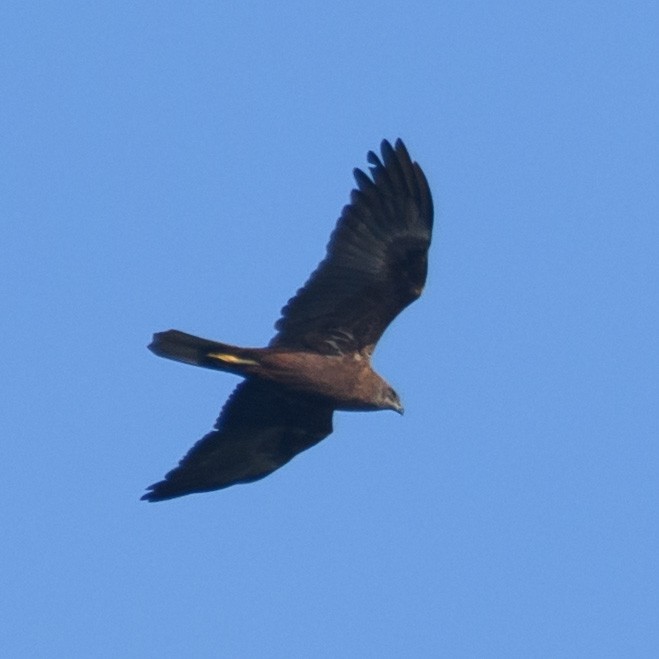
x=319, y=360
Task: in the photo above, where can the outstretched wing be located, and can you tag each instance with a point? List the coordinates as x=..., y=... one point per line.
x=376, y=261
x=260, y=429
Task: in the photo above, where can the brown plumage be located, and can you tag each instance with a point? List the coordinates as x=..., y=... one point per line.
x=320, y=359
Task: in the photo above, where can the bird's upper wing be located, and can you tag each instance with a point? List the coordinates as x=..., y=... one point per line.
x=376, y=262
x=261, y=427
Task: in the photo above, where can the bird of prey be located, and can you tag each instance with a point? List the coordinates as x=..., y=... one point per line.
x=319, y=360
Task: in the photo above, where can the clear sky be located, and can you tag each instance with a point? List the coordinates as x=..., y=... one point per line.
x=181, y=165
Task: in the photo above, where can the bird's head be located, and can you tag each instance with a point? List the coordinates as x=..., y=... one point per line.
x=391, y=401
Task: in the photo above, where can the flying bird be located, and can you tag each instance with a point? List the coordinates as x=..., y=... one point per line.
x=319, y=360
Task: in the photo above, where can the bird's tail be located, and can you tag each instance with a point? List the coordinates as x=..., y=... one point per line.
x=190, y=349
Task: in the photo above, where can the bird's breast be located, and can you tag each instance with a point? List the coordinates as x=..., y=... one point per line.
x=346, y=380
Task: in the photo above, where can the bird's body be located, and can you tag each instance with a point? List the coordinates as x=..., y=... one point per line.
x=348, y=381
x=320, y=359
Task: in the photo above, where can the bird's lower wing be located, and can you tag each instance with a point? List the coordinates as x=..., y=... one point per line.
x=261, y=428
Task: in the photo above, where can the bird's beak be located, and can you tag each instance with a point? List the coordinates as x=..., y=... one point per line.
x=400, y=409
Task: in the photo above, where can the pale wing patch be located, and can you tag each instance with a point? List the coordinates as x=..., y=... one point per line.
x=232, y=359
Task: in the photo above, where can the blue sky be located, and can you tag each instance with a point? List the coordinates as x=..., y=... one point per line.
x=182, y=165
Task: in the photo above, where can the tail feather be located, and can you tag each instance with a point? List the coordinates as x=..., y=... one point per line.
x=194, y=350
